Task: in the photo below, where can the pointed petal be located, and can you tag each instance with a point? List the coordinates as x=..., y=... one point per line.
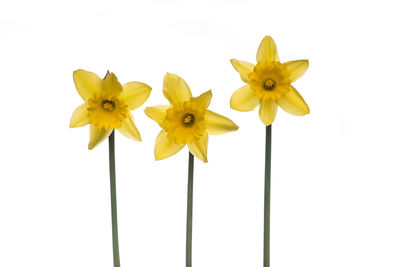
x=157, y=113
x=244, y=68
x=267, y=51
x=111, y=85
x=244, y=99
x=87, y=83
x=296, y=68
x=79, y=117
x=135, y=94
x=97, y=135
x=199, y=147
x=128, y=128
x=267, y=112
x=165, y=147
x=203, y=100
x=218, y=124
x=293, y=103
x=175, y=89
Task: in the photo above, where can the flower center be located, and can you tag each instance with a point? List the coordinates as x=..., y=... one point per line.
x=184, y=122
x=107, y=111
x=108, y=105
x=269, y=80
x=269, y=84
x=188, y=120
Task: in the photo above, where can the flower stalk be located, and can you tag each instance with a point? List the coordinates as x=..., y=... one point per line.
x=267, y=196
x=111, y=147
x=189, y=216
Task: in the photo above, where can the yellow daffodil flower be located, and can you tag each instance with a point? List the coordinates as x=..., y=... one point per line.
x=186, y=121
x=268, y=84
x=107, y=105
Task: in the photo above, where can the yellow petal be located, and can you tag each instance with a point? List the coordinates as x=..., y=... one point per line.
x=79, y=117
x=244, y=68
x=267, y=112
x=87, y=83
x=293, y=103
x=175, y=89
x=165, y=147
x=97, y=135
x=135, y=94
x=218, y=124
x=244, y=99
x=199, y=147
x=267, y=51
x=157, y=113
x=128, y=128
x=111, y=85
x=296, y=68
x=202, y=101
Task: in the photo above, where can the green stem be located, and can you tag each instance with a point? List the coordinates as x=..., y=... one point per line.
x=267, y=196
x=111, y=148
x=189, y=215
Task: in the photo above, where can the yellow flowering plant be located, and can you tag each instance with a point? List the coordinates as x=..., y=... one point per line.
x=186, y=121
x=268, y=85
x=107, y=107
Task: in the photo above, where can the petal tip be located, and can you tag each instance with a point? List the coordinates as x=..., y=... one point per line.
x=168, y=74
x=157, y=157
x=307, y=62
x=75, y=72
x=147, y=111
x=268, y=38
x=233, y=106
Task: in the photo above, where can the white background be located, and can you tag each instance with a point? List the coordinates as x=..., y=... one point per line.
x=335, y=176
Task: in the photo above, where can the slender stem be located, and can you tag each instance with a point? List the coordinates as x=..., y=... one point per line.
x=189, y=215
x=111, y=147
x=267, y=196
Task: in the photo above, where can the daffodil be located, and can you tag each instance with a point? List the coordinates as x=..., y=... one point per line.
x=268, y=84
x=107, y=105
x=187, y=121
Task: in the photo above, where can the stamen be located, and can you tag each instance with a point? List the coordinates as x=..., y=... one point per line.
x=108, y=105
x=269, y=84
x=188, y=120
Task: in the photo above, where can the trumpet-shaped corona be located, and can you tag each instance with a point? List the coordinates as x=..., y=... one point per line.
x=268, y=84
x=107, y=111
x=184, y=122
x=187, y=121
x=269, y=81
